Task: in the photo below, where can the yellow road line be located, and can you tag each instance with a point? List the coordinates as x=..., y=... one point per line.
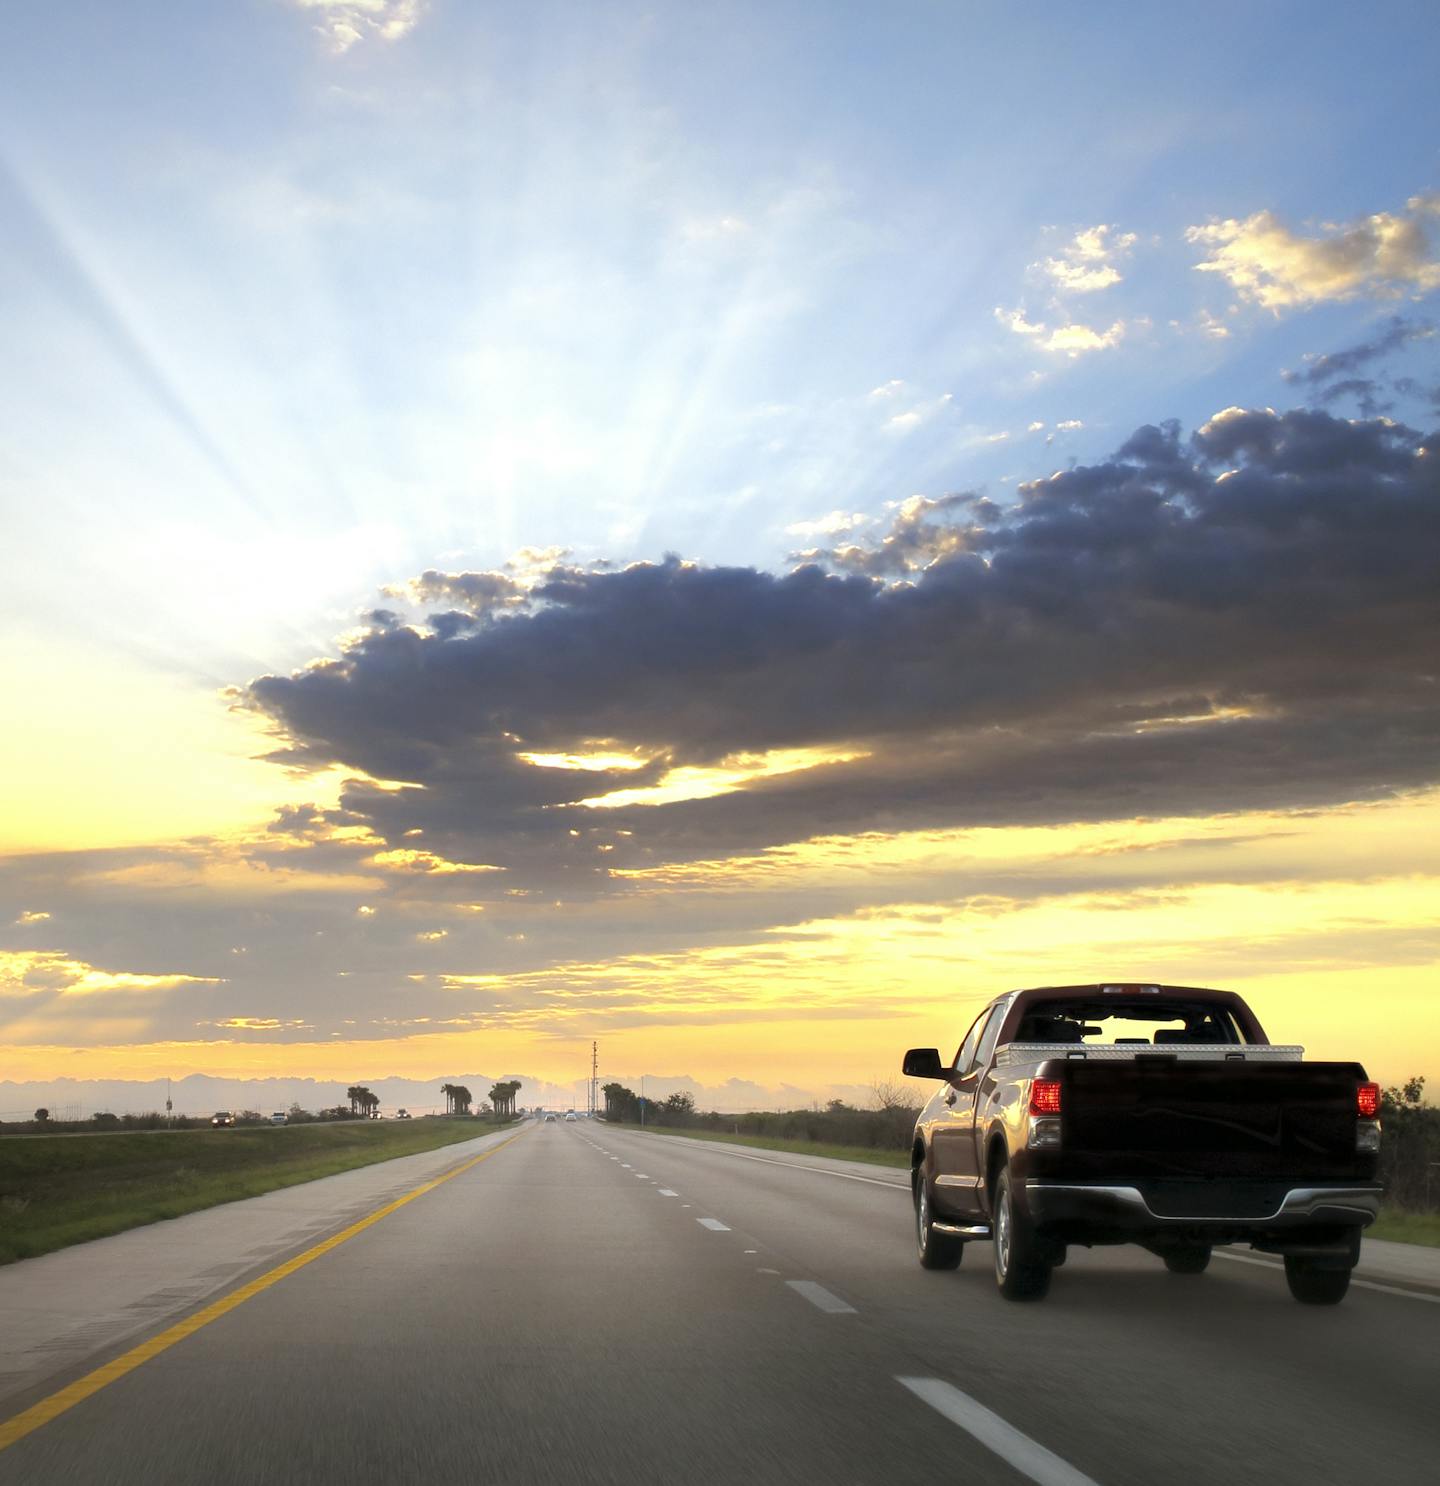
x=76, y=1392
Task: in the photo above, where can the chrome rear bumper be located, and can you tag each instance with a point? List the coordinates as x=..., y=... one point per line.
x=1126, y=1206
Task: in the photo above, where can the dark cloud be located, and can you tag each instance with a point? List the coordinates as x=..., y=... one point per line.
x=1335, y=365
x=1281, y=572
x=1335, y=376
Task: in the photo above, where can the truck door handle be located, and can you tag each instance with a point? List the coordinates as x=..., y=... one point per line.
x=949, y=1096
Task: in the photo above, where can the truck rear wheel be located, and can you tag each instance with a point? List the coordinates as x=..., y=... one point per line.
x=1314, y=1283
x=1022, y=1269
x=937, y=1250
x=1188, y=1259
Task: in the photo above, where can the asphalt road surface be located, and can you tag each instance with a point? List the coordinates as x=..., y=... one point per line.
x=592, y=1305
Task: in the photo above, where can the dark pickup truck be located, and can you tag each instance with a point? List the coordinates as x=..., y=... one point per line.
x=1146, y=1114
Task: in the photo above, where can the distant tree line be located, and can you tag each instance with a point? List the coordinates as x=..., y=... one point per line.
x=362, y=1103
x=624, y=1105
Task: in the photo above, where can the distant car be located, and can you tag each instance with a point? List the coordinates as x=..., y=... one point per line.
x=278, y=1117
x=570, y=1117
x=222, y=1117
x=549, y=1119
x=402, y=1114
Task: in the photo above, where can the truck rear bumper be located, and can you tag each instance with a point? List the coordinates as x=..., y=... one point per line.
x=1120, y=1207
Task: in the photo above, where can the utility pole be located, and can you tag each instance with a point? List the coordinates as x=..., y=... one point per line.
x=594, y=1076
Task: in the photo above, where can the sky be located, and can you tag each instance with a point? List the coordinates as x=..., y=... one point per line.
x=738, y=533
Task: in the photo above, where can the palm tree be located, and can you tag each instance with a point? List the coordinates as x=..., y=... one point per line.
x=463, y=1099
x=513, y=1088
x=449, y=1091
x=372, y=1105
x=497, y=1099
x=354, y=1094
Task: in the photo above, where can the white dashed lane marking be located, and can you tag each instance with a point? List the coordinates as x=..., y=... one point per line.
x=1019, y=1450
x=714, y=1225
x=666, y=1192
x=821, y=1298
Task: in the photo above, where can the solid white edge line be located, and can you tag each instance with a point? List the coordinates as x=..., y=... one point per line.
x=821, y=1298
x=1279, y=1268
x=1015, y=1449
x=848, y=1176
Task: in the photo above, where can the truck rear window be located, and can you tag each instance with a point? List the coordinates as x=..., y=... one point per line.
x=1109, y=1021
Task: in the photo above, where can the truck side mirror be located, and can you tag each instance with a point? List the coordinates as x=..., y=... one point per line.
x=923, y=1062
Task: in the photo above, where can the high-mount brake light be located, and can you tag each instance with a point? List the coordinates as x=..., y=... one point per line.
x=1045, y=1096
x=1367, y=1101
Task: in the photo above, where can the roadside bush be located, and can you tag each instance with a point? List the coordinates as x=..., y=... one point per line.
x=1410, y=1148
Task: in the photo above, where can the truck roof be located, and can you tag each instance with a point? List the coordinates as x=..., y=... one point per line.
x=1143, y=987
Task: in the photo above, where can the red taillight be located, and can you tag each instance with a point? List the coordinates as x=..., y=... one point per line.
x=1045, y=1096
x=1367, y=1100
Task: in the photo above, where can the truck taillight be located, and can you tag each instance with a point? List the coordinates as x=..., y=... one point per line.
x=1367, y=1101
x=1045, y=1096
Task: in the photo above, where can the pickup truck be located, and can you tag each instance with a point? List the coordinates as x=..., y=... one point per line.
x=1147, y=1114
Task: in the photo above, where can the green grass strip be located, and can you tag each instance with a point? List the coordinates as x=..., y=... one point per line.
x=1403, y=1227
x=57, y=1190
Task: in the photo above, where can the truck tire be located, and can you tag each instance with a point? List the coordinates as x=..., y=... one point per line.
x=1189, y=1259
x=1313, y=1283
x=937, y=1250
x=1022, y=1267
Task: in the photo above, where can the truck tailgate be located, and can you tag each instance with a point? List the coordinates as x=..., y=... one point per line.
x=1163, y=1121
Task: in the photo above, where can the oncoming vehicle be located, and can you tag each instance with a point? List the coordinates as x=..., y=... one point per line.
x=549, y=1119
x=278, y=1117
x=222, y=1118
x=402, y=1114
x=570, y=1117
x=1146, y=1114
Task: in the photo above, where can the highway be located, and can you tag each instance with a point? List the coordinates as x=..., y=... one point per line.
x=586, y=1304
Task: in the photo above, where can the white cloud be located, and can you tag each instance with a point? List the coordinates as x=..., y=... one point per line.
x=893, y=388
x=1073, y=339
x=833, y=525
x=1069, y=424
x=912, y=417
x=1384, y=255
x=1035, y=427
x=1214, y=327
x=1076, y=339
x=1087, y=262
x=344, y=22
x=1015, y=320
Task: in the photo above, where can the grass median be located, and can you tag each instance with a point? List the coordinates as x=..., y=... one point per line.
x=57, y=1190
